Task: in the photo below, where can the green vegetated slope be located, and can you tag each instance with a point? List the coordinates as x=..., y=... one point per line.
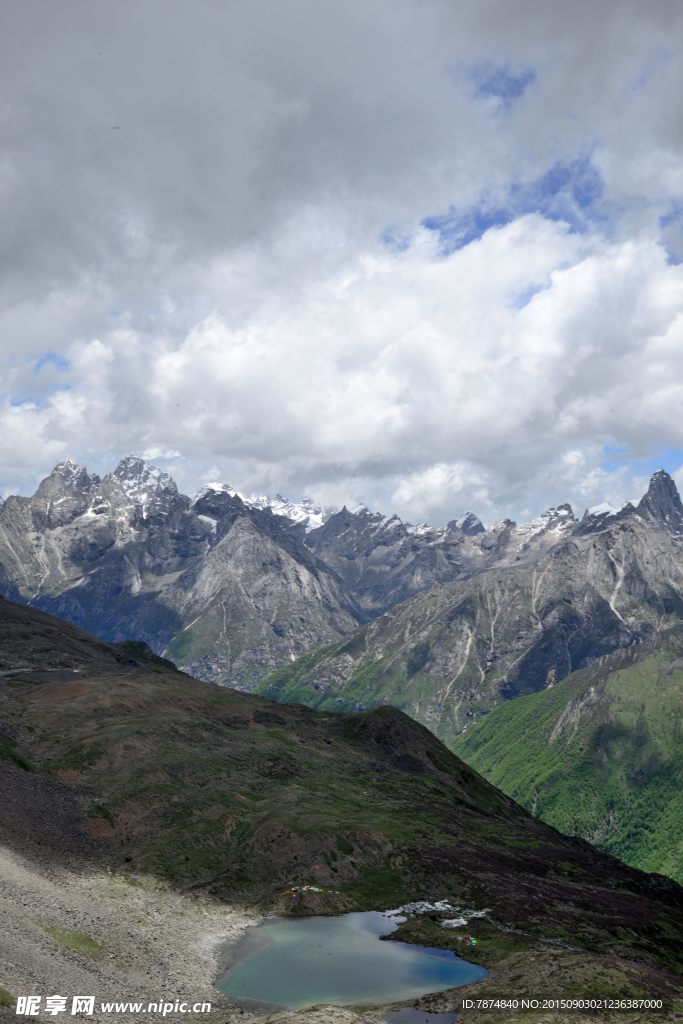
x=599, y=755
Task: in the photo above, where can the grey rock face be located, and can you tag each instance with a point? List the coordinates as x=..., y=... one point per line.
x=230, y=591
x=524, y=607
x=383, y=561
x=470, y=525
x=662, y=503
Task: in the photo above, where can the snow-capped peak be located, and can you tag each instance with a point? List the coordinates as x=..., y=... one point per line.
x=218, y=487
x=556, y=519
x=146, y=487
x=67, y=468
x=138, y=477
x=603, y=509
x=305, y=512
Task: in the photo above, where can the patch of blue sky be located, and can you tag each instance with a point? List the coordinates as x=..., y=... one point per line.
x=499, y=81
x=674, y=215
x=615, y=453
x=396, y=240
x=523, y=298
x=656, y=61
x=570, y=191
x=671, y=225
x=576, y=182
x=51, y=359
x=457, y=229
x=662, y=457
x=30, y=401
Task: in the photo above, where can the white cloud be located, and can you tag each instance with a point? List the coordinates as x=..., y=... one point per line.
x=194, y=197
x=410, y=379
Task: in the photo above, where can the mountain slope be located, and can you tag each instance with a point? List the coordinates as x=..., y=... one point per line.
x=139, y=767
x=599, y=755
x=231, y=591
x=452, y=653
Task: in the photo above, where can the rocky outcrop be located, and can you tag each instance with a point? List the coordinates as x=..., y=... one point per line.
x=227, y=589
x=661, y=503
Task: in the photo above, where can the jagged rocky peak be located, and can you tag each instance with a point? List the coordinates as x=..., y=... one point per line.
x=66, y=476
x=215, y=500
x=557, y=520
x=360, y=517
x=352, y=533
x=363, y=512
x=138, y=488
x=662, y=502
x=470, y=524
x=561, y=512
x=138, y=477
x=343, y=522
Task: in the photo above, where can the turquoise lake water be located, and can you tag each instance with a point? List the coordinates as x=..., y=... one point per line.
x=296, y=963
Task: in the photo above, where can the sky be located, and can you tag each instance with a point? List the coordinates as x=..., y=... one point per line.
x=422, y=255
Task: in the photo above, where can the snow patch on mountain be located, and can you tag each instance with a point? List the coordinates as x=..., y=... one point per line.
x=305, y=512
x=604, y=509
x=554, y=521
x=210, y=521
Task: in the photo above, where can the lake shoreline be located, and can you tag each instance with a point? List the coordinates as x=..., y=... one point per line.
x=156, y=942
x=338, y=961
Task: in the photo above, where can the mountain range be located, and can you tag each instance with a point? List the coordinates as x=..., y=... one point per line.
x=524, y=607
x=230, y=590
x=232, y=587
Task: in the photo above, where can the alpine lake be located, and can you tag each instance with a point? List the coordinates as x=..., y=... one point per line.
x=296, y=963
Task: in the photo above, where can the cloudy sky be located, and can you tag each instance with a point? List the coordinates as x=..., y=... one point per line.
x=426, y=255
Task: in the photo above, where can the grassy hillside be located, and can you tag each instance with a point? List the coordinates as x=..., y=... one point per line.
x=599, y=755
